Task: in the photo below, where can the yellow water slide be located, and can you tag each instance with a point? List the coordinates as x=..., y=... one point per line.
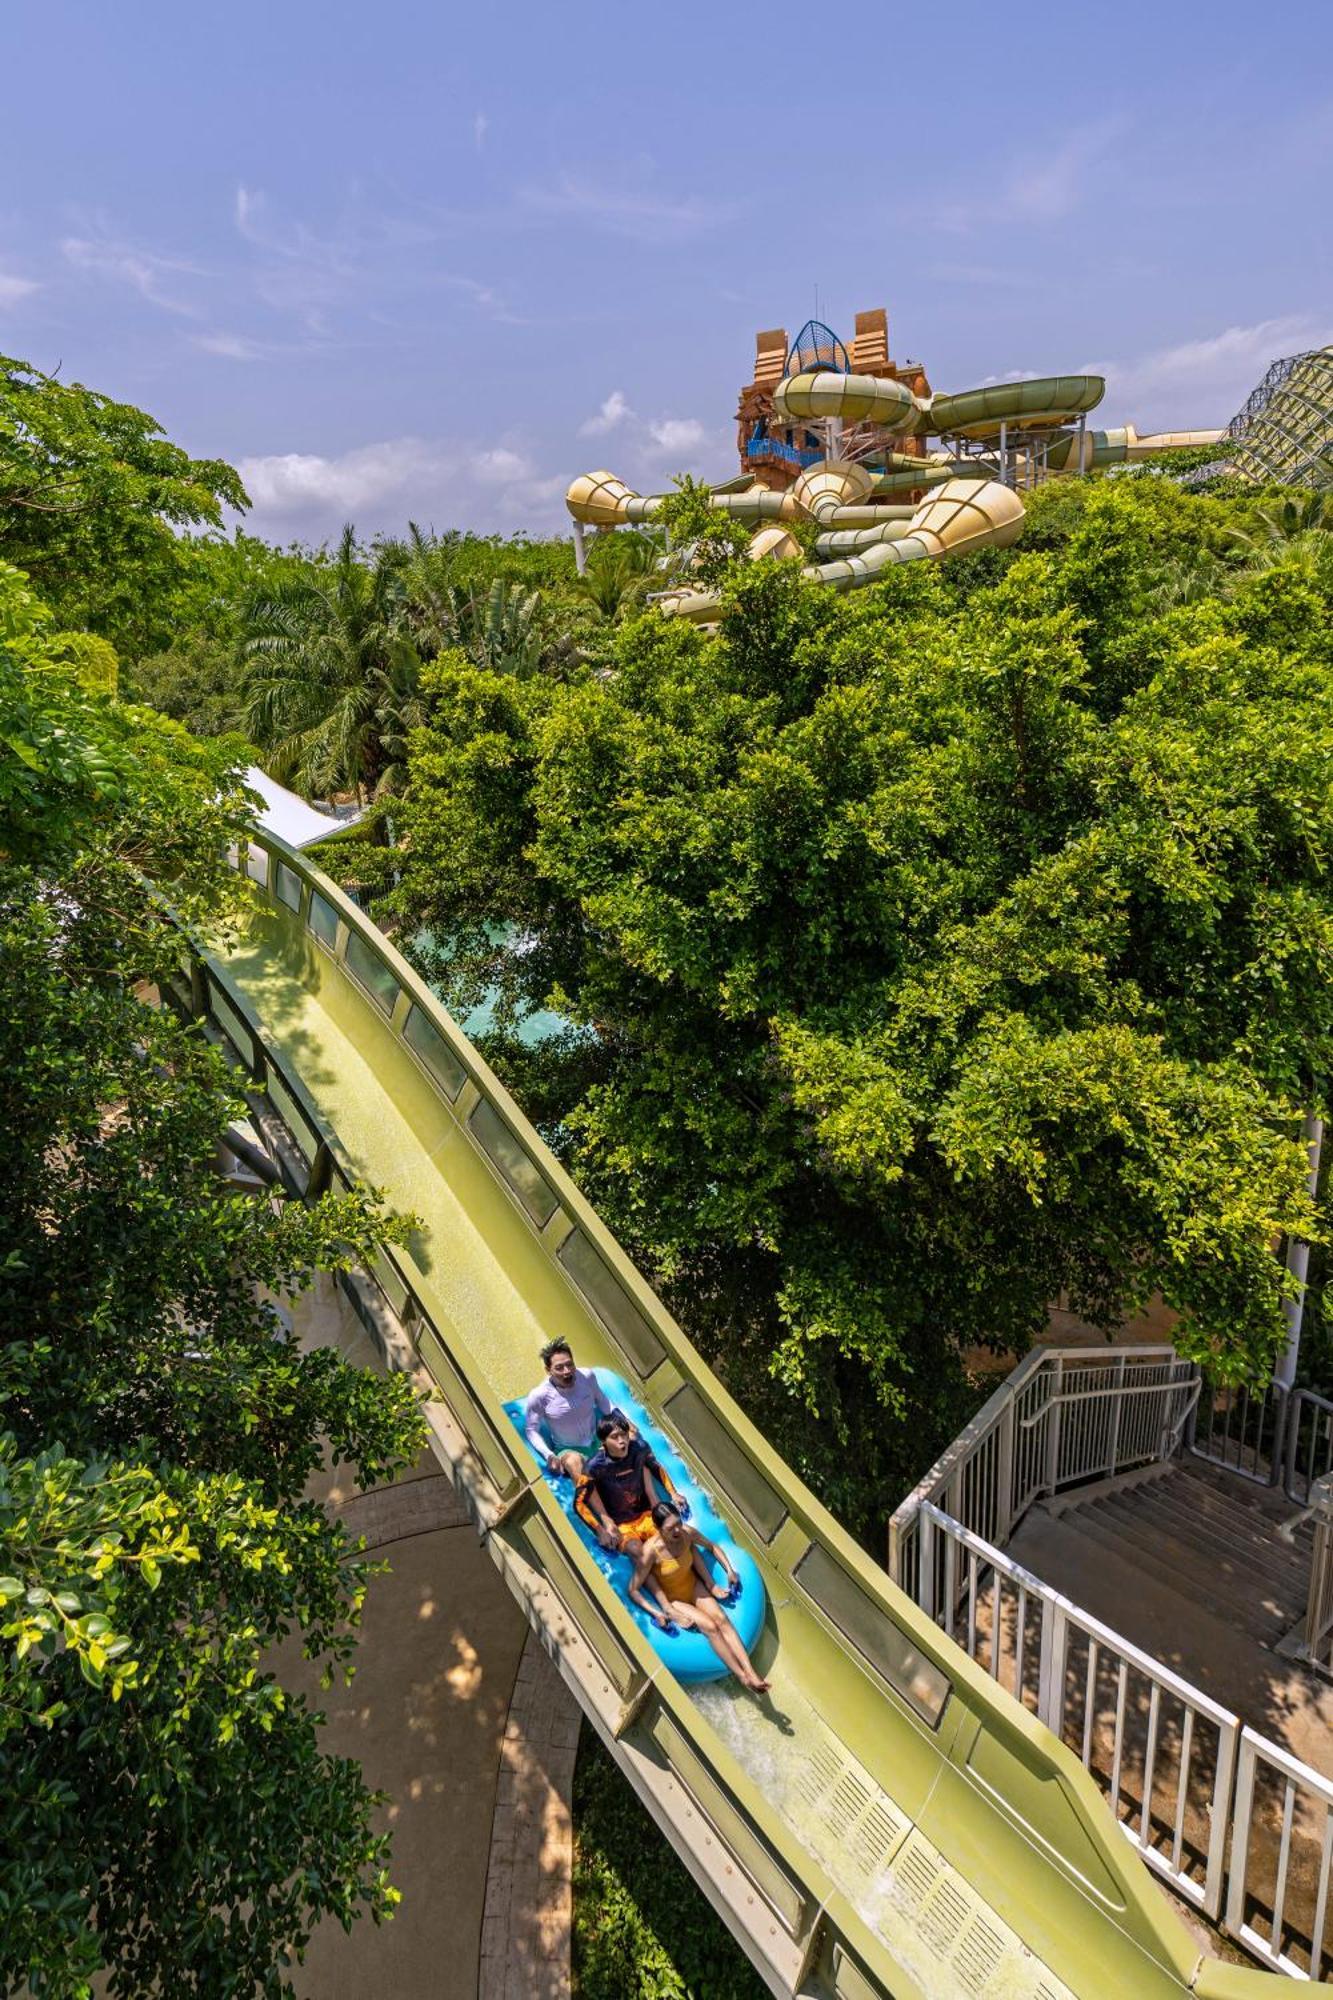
x=890, y=1824
x=1039, y=404
x=961, y=515
x=1000, y=410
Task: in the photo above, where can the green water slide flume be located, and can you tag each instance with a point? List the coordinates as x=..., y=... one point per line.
x=889, y=1822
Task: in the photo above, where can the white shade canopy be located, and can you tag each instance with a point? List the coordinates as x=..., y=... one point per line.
x=288, y=816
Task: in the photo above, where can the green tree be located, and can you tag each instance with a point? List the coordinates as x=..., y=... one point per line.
x=1275, y=527
x=331, y=676
x=173, y=1821
x=621, y=568
x=199, y=677
x=948, y=947
x=506, y=623
x=705, y=543
x=92, y=499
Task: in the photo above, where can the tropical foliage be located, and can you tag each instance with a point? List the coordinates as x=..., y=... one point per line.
x=92, y=499
x=330, y=675
x=621, y=569
x=173, y=1824
x=948, y=948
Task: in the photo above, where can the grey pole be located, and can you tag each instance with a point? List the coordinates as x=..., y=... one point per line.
x=1298, y=1263
x=1004, y=454
x=580, y=549
x=1082, y=441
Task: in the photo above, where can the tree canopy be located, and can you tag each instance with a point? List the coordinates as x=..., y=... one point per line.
x=173, y=1823
x=92, y=499
x=946, y=948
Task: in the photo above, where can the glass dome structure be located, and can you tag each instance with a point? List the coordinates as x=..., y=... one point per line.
x=817, y=346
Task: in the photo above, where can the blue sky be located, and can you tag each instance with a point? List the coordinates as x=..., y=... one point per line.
x=431, y=261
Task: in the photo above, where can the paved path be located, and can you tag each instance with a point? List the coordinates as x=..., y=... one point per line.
x=468, y=1729
x=526, y=1927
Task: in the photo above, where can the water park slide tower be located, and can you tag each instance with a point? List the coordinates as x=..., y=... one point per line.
x=774, y=452
x=864, y=474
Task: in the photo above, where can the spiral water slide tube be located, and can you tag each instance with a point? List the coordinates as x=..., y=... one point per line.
x=1043, y=404
x=959, y=515
x=888, y=1821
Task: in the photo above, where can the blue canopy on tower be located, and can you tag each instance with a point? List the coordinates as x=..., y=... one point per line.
x=817, y=346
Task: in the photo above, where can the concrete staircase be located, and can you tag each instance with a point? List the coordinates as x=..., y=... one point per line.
x=1188, y=1562
x=1204, y=1533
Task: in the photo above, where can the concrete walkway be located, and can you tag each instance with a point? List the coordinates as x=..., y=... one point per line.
x=468, y=1729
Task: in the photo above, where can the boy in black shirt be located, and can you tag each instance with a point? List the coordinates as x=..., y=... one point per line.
x=616, y=1494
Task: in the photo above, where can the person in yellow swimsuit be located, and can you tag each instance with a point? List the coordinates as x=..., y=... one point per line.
x=672, y=1566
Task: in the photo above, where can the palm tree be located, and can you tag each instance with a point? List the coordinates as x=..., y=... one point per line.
x=331, y=679
x=620, y=566
x=400, y=708
x=502, y=630
x=431, y=599
x=1277, y=528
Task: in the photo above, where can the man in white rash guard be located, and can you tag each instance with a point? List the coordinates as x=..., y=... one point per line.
x=562, y=1413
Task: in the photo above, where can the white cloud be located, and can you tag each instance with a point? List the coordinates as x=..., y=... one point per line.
x=231, y=346
x=1204, y=382
x=289, y=481
x=614, y=411
x=480, y=127
x=152, y=276
x=14, y=288
x=501, y=467
x=677, y=434
x=645, y=218
x=489, y=487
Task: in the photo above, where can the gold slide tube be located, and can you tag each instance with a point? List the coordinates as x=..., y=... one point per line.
x=962, y=515
x=894, y=526
x=856, y=399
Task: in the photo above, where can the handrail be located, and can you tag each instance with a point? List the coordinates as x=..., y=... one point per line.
x=1243, y=1430
x=1303, y=1858
x=1053, y=1423
x=1056, y=1693
x=765, y=446
x=1307, y=1457
x=1084, y=1397
x=1317, y=1645
x=952, y=1759
x=1190, y=1787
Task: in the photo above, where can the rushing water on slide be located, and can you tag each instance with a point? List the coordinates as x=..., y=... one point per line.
x=790, y=1752
x=781, y=1744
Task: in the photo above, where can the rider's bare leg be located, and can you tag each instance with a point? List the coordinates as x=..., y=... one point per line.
x=706, y=1617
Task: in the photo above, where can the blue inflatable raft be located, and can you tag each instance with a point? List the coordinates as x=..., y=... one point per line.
x=688, y=1654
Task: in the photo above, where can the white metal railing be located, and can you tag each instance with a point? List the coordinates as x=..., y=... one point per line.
x=1241, y=1429
x=1278, y=1888
x=1308, y=1448
x=1164, y=1751
x=1236, y=1824
x=1065, y=1415
x=1318, y=1644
